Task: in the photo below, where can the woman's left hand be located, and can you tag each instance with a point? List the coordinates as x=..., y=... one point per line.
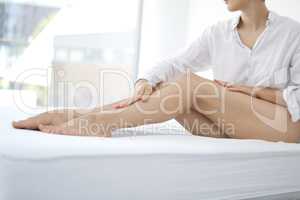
x=236, y=88
x=272, y=95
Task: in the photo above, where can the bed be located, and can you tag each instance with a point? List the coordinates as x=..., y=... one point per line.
x=158, y=162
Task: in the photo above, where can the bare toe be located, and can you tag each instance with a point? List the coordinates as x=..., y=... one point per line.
x=29, y=123
x=45, y=128
x=19, y=124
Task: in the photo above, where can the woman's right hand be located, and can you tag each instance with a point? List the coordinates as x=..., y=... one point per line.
x=142, y=92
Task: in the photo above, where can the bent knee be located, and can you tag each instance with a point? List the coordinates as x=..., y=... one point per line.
x=180, y=118
x=193, y=82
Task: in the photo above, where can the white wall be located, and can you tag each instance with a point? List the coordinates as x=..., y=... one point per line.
x=203, y=13
x=290, y=8
x=164, y=30
x=170, y=25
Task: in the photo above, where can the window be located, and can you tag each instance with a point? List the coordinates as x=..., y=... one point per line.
x=89, y=47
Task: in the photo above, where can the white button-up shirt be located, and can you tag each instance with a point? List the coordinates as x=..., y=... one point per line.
x=274, y=61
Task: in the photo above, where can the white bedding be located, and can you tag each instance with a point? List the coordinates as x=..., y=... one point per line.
x=38, y=166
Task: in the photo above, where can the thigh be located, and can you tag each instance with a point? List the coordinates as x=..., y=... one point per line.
x=198, y=124
x=244, y=117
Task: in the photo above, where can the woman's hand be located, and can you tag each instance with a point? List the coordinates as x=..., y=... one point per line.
x=142, y=92
x=237, y=88
x=271, y=95
x=55, y=117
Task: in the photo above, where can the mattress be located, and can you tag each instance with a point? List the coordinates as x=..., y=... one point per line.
x=153, y=162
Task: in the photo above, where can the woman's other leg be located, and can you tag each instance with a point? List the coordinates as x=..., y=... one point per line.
x=244, y=117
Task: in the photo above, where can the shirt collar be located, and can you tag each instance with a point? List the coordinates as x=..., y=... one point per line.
x=271, y=18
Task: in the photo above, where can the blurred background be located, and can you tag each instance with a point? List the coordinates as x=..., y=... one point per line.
x=66, y=53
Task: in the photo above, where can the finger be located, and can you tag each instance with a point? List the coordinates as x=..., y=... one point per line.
x=122, y=104
x=226, y=84
x=221, y=83
x=230, y=85
x=147, y=94
x=137, y=97
x=125, y=104
x=119, y=106
x=145, y=98
x=216, y=81
x=234, y=89
x=140, y=93
x=130, y=101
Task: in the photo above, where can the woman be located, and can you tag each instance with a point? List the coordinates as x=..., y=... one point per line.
x=256, y=94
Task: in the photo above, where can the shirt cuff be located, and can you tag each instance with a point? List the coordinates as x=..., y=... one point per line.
x=289, y=96
x=150, y=80
x=151, y=83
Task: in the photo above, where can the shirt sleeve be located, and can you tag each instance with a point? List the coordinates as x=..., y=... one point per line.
x=291, y=94
x=194, y=58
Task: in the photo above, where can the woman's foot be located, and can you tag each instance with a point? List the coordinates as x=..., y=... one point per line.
x=55, y=117
x=87, y=125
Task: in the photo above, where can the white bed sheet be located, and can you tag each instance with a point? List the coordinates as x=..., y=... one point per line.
x=38, y=166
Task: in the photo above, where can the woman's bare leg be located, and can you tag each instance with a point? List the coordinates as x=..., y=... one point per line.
x=199, y=125
x=237, y=120
x=195, y=122
x=168, y=102
x=165, y=104
x=191, y=120
x=247, y=117
x=59, y=116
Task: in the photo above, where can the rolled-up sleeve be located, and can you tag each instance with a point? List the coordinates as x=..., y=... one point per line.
x=194, y=58
x=291, y=94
